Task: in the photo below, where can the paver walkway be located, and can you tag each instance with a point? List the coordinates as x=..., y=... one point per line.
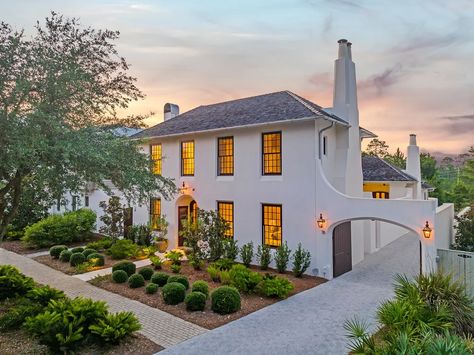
x=312, y=322
x=160, y=327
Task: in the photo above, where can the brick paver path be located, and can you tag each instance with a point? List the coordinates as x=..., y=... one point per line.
x=158, y=326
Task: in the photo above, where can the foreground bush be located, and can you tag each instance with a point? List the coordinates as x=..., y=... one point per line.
x=136, y=281
x=114, y=327
x=96, y=259
x=146, y=272
x=13, y=283
x=151, y=288
x=101, y=244
x=301, y=261
x=264, y=256
x=76, y=259
x=126, y=266
x=195, y=301
x=77, y=250
x=173, y=293
x=282, y=256
x=60, y=229
x=225, y=300
x=89, y=251
x=181, y=279
x=56, y=250
x=246, y=253
x=243, y=278
x=160, y=278
x=273, y=286
x=123, y=249
x=65, y=256
x=119, y=276
x=201, y=286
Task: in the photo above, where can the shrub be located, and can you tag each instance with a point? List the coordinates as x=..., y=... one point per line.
x=136, y=280
x=77, y=250
x=301, y=261
x=174, y=293
x=196, y=262
x=146, y=272
x=175, y=268
x=200, y=286
x=225, y=277
x=42, y=295
x=140, y=234
x=214, y=273
x=246, y=253
x=76, y=259
x=275, y=287
x=96, y=259
x=60, y=229
x=225, y=300
x=126, y=266
x=56, y=250
x=156, y=261
x=151, y=288
x=13, y=283
x=174, y=256
x=264, y=256
x=16, y=315
x=114, y=327
x=119, y=276
x=89, y=251
x=282, y=256
x=243, y=278
x=223, y=264
x=195, y=301
x=65, y=256
x=231, y=250
x=160, y=278
x=123, y=249
x=101, y=244
x=181, y=279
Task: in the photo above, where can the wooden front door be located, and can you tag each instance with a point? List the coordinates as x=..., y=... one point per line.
x=342, y=249
x=127, y=220
x=182, y=215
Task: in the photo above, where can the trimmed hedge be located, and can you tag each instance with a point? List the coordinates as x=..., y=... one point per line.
x=126, y=266
x=88, y=252
x=76, y=259
x=225, y=300
x=136, y=280
x=178, y=278
x=146, y=272
x=119, y=276
x=96, y=258
x=160, y=278
x=201, y=286
x=174, y=293
x=56, y=250
x=195, y=301
x=65, y=256
x=151, y=288
x=77, y=250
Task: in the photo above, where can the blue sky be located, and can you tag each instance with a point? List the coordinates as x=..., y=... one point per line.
x=414, y=58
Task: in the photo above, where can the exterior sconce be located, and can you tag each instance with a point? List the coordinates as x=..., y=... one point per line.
x=427, y=230
x=183, y=189
x=321, y=222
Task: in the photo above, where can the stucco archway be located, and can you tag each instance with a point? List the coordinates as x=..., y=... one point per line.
x=185, y=208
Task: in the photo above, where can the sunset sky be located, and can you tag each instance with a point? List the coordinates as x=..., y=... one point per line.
x=414, y=59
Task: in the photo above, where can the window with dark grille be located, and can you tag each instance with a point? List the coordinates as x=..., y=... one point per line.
x=380, y=194
x=325, y=142
x=187, y=158
x=75, y=199
x=225, y=156
x=271, y=149
x=226, y=211
x=156, y=155
x=155, y=212
x=272, y=225
x=86, y=201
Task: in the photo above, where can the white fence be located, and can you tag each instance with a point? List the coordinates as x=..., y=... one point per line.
x=460, y=264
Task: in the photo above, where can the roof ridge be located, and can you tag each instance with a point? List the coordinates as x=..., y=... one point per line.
x=301, y=101
x=243, y=98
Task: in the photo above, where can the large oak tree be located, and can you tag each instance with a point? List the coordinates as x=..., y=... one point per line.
x=61, y=91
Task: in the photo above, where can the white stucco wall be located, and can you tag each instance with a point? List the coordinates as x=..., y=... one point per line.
x=444, y=225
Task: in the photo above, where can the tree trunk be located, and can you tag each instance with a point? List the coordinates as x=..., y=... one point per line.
x=14, y=189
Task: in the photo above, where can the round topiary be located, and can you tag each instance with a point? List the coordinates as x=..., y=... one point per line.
x=76, y=259
x=201, y=286
x=174, y=293
x=178, y=278
x=195, y=301
x=126, y=266
x=146, y=272
x=136, y=280
x=160, y=278
x=54, y=251
x=225, y=300
x=77, y=250
x=88, y=252
x=119, y=276
x=65, y=255
x=96, y=258
x=151, y=288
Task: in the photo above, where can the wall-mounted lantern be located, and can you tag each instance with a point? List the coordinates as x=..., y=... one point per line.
x=427, y=230
x=321, y=222
x=184, y=189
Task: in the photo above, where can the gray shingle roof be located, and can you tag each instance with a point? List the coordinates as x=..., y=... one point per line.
x=377, y=169
x=274, y=107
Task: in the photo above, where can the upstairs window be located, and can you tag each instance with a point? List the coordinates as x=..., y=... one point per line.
x=187, y=158
x=225, y=156
x=155, y=212
x=380, y=194
x=272, y=225
x=75, y=202
x=325, y=144
x=155, y=152
x=271, y=151
x=226, y=211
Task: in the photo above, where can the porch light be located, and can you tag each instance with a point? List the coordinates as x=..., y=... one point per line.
x=183, y=189
x=427, y=230
x=321, y=221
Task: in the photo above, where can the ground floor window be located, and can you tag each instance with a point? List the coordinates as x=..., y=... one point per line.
x=272, y=225
x=155, y=212
x=226, y=211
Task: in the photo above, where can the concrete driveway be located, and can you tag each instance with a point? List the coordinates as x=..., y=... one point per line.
x=312, y=321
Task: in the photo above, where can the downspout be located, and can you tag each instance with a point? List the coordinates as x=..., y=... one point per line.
x=321, y=131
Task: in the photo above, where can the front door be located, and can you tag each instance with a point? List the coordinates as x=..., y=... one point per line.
x=127, y=220
x=182, y=215
x=342, y=249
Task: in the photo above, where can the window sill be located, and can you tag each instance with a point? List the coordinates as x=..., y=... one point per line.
x=225, y=178
x=271, y=178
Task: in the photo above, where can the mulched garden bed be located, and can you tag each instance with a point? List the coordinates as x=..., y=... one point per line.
x=66, y=268
x=207, y=319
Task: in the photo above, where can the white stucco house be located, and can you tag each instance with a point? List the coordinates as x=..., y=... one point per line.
x=275, y=164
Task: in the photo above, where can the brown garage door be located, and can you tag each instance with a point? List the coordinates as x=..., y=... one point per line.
x=341, y=249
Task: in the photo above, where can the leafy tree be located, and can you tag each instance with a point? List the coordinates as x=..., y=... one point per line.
x=467, y=174
x=397, y=159
x=113, y=217
x=464, y=238
x=60, y=93
x=427, y=165
x=377, y=148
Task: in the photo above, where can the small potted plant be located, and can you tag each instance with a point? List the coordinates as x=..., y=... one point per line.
x=160, y=226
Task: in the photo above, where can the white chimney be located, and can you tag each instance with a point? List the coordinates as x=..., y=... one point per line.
x=413, y=165
x=170, y=111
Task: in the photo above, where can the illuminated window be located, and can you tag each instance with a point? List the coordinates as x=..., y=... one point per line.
x=380, y=194
x=225, y=156
x=272, y=225
x=226, y=211
x=155, y=212
x=271, y=148
x=187, y=158
x=155, y=151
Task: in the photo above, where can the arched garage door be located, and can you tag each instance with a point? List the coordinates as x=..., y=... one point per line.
x=342, y=249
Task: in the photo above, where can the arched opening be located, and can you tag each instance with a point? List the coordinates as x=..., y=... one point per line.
x=186, y=210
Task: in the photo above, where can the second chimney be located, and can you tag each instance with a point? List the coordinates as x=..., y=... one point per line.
x=170, y=111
